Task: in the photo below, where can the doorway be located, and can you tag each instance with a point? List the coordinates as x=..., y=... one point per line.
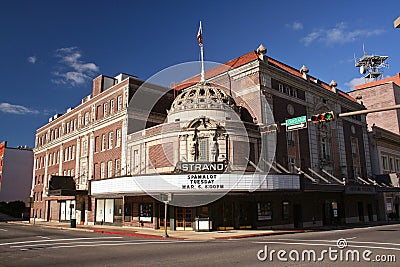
x=161, y=216
x=225, y=218
x=184, y=218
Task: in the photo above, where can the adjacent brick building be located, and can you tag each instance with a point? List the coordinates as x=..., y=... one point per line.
x=15, y=173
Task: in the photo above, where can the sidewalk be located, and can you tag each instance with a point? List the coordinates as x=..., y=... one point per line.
x=158, y=234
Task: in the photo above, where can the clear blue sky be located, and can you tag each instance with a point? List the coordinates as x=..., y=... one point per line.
x=50, y=50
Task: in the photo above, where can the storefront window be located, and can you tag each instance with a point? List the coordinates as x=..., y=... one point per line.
x=146, y=212
x=264, y=211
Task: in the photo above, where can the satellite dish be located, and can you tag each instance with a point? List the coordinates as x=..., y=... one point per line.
x=362, y=70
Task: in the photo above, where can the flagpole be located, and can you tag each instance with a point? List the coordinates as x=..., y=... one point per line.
x=203, y=78
x=200, y=40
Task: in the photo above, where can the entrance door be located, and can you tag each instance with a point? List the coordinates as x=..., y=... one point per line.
x=246, y=215
x=184, y=218
x=226, y=219
x=161, y=216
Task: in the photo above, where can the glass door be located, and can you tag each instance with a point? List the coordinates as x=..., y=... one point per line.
x=184, y=218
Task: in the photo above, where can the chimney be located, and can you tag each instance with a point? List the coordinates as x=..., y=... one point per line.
x=97, y=85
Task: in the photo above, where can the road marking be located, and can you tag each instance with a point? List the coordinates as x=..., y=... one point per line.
x=45, y=237
x=63, y=239
x=3, y=230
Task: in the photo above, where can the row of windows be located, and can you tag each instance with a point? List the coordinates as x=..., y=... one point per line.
x=108, y=108
x=69, y=154
x=69, y=173
x=107, y=171
x=390, y=164
x=107, y=140
x=286, y=89
x=110, y=111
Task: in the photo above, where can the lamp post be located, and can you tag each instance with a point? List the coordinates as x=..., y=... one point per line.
x=165, y=219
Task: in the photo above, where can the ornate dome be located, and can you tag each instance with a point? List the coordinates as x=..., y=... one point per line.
x=201, y=99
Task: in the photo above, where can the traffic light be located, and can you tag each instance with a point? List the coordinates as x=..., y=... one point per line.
x=327, y=116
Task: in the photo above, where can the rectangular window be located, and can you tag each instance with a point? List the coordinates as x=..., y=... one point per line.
x=102, y=170
x=324, y=148
x=73, y=152
x=281, y=88
x=203, y=149
x=105, y=110
x=117, y=167
x=111, y=106
x=391, y=164
x=136, y=160
x=110, y=140
x=109, y=169
x=84, y=147
x=385, y=165
x=264, y=211
x=118, y=133
x=103, y=142
x=119, y=102
x=86, y=118
x=397, y=165
x=145, y=212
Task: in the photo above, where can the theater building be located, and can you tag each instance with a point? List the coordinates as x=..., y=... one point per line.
x=216, y=135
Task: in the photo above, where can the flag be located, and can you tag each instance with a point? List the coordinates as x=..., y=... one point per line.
x=200, y=36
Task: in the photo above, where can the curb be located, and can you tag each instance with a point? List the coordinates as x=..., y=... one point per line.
x=260, y=234
x=131, y=234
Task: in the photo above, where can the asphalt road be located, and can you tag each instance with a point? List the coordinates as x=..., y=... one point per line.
x=26, y=245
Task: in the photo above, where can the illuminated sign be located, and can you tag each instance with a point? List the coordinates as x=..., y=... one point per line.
x=201, y=167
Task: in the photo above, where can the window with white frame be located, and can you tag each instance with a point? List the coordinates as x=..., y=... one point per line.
x=136, y=160
x=109, y=169
x=119, y=102
x=117, y=167
x=86, y=122
x=102, y=170
x=84, y=146
x=105, y=109
x=118, y=133
x=110, y=140
x=111, y=106
x=103, y=142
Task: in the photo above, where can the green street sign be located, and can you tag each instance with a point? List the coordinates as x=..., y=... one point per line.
x=296, y=123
